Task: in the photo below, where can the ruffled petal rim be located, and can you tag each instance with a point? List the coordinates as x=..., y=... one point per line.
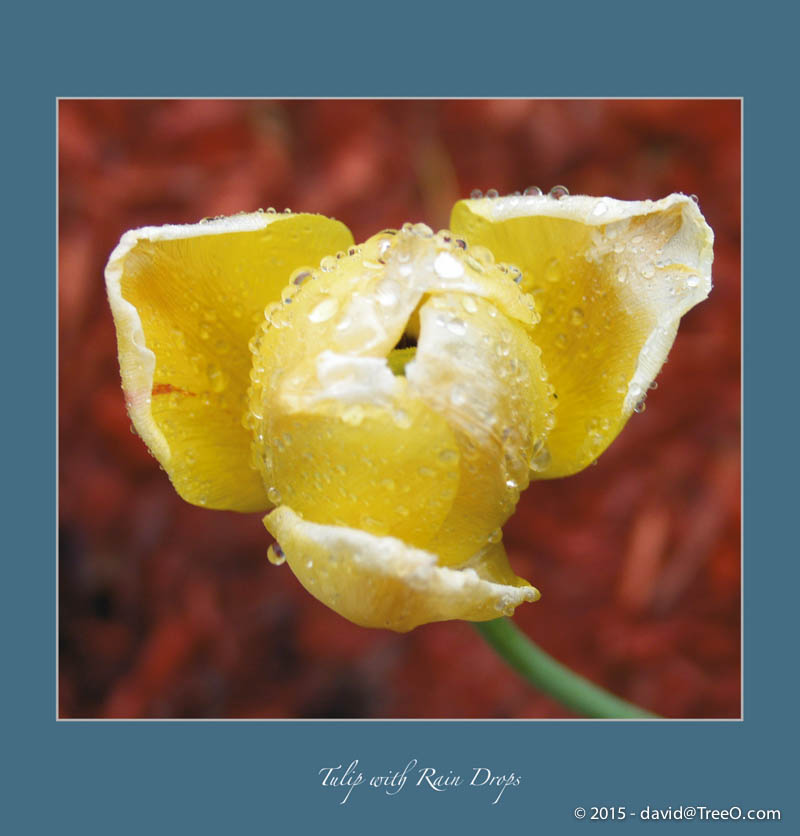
x=611, y=280
x=382, y=582
x=186, y=299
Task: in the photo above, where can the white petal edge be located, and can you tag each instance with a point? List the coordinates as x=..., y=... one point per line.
x=382, y=582
x=692, y=245
x=136, y=361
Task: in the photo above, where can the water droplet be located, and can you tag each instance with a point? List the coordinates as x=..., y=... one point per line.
x=492, y=193
x=423, y=230
x=692, y=281
x=557, y=192
x=540, y=456
x=562, y=341
x=640, y=406
x=300, y=276
x=458, y=397
x=274, y=495
x=324, y=310
x=328, y=263
x=401, y=418
x=653, y=385
x=469, y=304
x=483, y=255
x=496, y=536
x=272, y=211
x=216, y=378
x=353, y=415
x=275, y=555
x=576, y=316
x=552, y=271
x=533, y=190
x=476, y=194
x=456, y=326
x=447, y=266
x=695, y=198
x=515, y=273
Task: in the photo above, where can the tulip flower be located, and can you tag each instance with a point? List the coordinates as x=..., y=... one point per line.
x=387, y=403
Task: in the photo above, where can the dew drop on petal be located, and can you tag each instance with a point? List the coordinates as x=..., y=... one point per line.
x=216, y=378
x=540, y=456
x=496, y=536
x=423, y=230
x=401, y=418
x=557, y=192
x=552, y=271
x=483, y=255
x=275, y=555
x=300, y=276
x=458, y=397
x=447, y=266
x=324, y=310
x=533, y=190
x=274, y=495
x=328, y=263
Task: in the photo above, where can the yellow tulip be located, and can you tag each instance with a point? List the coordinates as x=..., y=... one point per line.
x=388, y=402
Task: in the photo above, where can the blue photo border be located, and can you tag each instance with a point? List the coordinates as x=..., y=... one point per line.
x=243, y=777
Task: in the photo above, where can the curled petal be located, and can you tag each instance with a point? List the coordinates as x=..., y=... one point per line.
x=431, y=442
x=383, y=582
x=480, y=368
x=611, y=280
x=186, y=301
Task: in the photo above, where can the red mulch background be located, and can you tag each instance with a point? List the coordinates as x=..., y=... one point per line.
x=167, y=610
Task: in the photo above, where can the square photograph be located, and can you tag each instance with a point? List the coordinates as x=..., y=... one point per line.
x=399, y=409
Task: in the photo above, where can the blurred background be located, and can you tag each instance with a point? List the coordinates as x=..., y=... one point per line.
x=167, y=610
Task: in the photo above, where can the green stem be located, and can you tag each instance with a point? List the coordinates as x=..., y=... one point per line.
x=552, y=677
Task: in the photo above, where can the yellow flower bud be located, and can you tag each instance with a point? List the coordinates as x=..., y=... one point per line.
x=391, y=403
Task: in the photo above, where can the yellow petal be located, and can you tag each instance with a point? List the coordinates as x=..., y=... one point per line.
x=338, y=437
x=437, y=454
x=186, y=300
x=611, y=280
x=480, y=369
x=383, y=582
